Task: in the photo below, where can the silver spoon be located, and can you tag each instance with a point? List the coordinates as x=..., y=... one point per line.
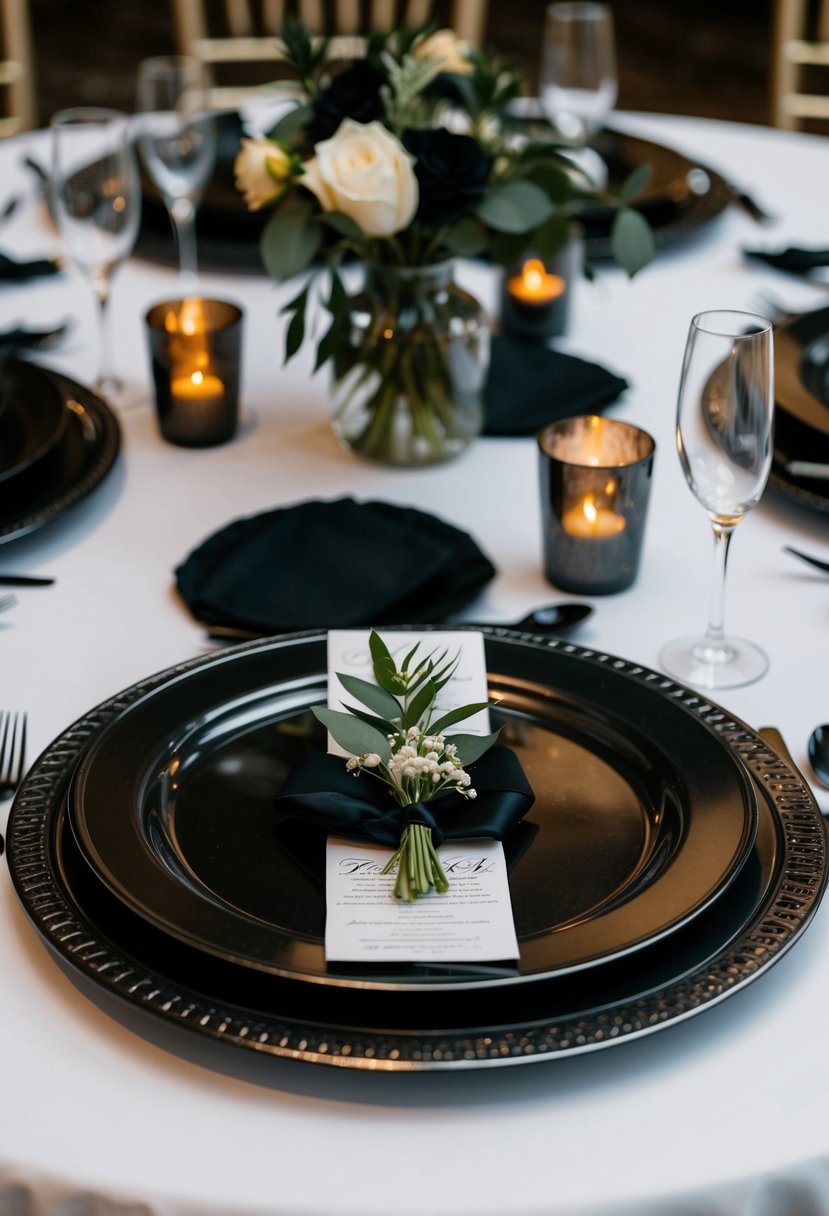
x=819, y=753
x=552, y=619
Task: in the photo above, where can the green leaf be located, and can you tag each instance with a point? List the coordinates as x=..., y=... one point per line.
x=290, y=123
x=356, y=736
x=467, y=238
x=388, y=728
x=327, y=345
x=420, y=704
x=631, y=240
x=337, y=296
x=515, y=206
x=456, y=715
x=550, y=238
x=553, y=179
x=343, y=225
x=376, y=699
x=378, y=648
x=295, y=333
x=290, y=240
x=636, y=183
x=387, y=676
x=472, y=747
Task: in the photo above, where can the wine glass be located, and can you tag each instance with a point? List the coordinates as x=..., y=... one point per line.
x=177, y=142
x=724, y=440
x=578, y=68
x=96, y=202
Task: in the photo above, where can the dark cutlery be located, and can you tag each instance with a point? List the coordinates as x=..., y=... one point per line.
x=804, y=557
x=24, y=580
x=552, y=619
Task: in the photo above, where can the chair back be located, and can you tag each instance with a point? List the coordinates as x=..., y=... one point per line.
x=18, y=111
x=800, y=43
x=248, y=33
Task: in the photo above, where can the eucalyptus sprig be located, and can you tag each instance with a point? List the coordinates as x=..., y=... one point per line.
x=392, y=736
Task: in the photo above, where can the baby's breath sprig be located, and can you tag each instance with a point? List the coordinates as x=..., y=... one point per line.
x=391, y=737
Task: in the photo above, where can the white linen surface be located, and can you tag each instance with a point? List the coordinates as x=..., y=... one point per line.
x=104, y=1110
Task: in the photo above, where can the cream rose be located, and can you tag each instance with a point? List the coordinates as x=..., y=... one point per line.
x=446, y=46
x=262, y=170
x=366, y=173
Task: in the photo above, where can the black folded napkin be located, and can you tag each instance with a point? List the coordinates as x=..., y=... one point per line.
x=793, y=259
x=531, y=385
x=19, y=339
x=19, y=272
x=332, y=565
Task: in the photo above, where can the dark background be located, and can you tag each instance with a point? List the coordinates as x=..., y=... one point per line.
x=708, y=58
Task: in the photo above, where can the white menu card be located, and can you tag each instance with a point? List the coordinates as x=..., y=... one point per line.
x=470, y=922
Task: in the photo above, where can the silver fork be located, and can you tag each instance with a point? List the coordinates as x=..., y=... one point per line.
x=12, y=752
x=7, y=601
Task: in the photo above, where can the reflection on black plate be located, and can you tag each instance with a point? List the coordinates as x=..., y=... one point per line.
x=682, y=196
x=78, y=463
x=760, y=915
x=642, y=815
x=32, y=421
x=801, y=385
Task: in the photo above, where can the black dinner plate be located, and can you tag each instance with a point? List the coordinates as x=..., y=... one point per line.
x=801, y=387
x=32, y=422
x=641, y=816
x=681, y=196
x=736, y=939
x=75, y=466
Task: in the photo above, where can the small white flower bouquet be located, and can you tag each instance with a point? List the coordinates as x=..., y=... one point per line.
x=393, y=738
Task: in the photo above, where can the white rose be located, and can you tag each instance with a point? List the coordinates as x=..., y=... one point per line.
x=446, y=46
x=262, y=170
x=366, y=173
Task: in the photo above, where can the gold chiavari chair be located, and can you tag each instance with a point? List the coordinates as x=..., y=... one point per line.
x=246, y=32
x=18, y=111
x=800, y=41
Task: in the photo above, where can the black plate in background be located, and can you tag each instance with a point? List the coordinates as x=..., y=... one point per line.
x=84, y=455
x=228, y=234
x=801, y=388
x=759, y=917
x=642, y=815
x=32, y=421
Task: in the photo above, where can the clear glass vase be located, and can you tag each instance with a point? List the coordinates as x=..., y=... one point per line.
x=410, y=367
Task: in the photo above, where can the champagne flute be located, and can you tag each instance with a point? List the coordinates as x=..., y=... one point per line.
x=724, y=440
x=177, y=143
x=96, y=202
x=578, y=68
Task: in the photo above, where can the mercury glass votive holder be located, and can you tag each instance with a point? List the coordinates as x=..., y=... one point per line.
x=536, y=294
x=595, y=480
x=195, y=352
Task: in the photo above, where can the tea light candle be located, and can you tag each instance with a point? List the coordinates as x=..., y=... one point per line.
x=199, y=386
x=595, y=480
x=534, y=302
x=534, y=285
x=588, y=520
x=195, y=351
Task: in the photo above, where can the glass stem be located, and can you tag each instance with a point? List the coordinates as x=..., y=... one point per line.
x=106, y=381
x=183, y=215
x=715, y=632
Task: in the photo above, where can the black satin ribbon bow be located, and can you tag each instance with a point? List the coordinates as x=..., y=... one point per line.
x=320, y=790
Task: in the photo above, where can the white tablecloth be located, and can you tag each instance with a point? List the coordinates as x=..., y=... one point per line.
x=723, y=1113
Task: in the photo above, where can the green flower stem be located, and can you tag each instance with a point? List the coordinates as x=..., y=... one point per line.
x=418, y=864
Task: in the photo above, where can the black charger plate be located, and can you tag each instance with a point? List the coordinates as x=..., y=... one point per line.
x=72, y=469
x=641, y=816
x=758, y=917
x=801, y=389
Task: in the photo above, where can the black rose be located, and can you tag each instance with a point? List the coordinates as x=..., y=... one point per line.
x=452, y=173
x=353, y=93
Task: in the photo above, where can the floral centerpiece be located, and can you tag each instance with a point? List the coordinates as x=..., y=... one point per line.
x=406, y=159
